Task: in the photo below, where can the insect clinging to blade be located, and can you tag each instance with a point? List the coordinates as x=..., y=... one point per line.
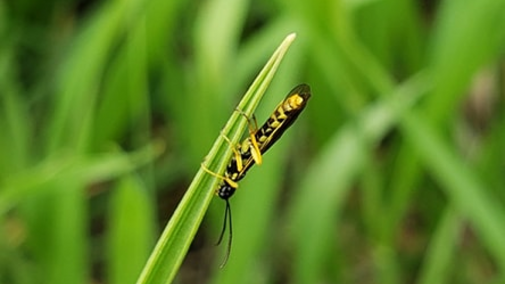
x=251, y=150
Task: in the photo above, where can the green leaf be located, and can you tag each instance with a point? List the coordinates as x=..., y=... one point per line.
x=131, y=234
x=171, y=248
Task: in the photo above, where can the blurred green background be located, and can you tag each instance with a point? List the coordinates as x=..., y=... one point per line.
x=393, y=174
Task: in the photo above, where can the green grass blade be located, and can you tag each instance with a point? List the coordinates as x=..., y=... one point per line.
x=34, y=181
x=173, y=244
x=462, y=186
x=131, y=233
x=441, y=252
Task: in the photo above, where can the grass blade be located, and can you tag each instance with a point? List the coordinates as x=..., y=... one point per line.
x=171, y=248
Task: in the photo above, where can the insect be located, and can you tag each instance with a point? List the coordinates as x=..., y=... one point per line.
x=250, y=151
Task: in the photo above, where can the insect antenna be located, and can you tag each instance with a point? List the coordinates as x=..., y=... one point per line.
x=227, y=219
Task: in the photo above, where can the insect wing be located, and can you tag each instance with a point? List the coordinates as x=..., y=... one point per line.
x=283, y=117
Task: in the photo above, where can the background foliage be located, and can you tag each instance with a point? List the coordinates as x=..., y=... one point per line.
x=393, y=174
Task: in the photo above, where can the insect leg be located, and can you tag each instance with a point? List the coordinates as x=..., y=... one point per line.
x=252, y=143
x=238, y=158
x=227, y=179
